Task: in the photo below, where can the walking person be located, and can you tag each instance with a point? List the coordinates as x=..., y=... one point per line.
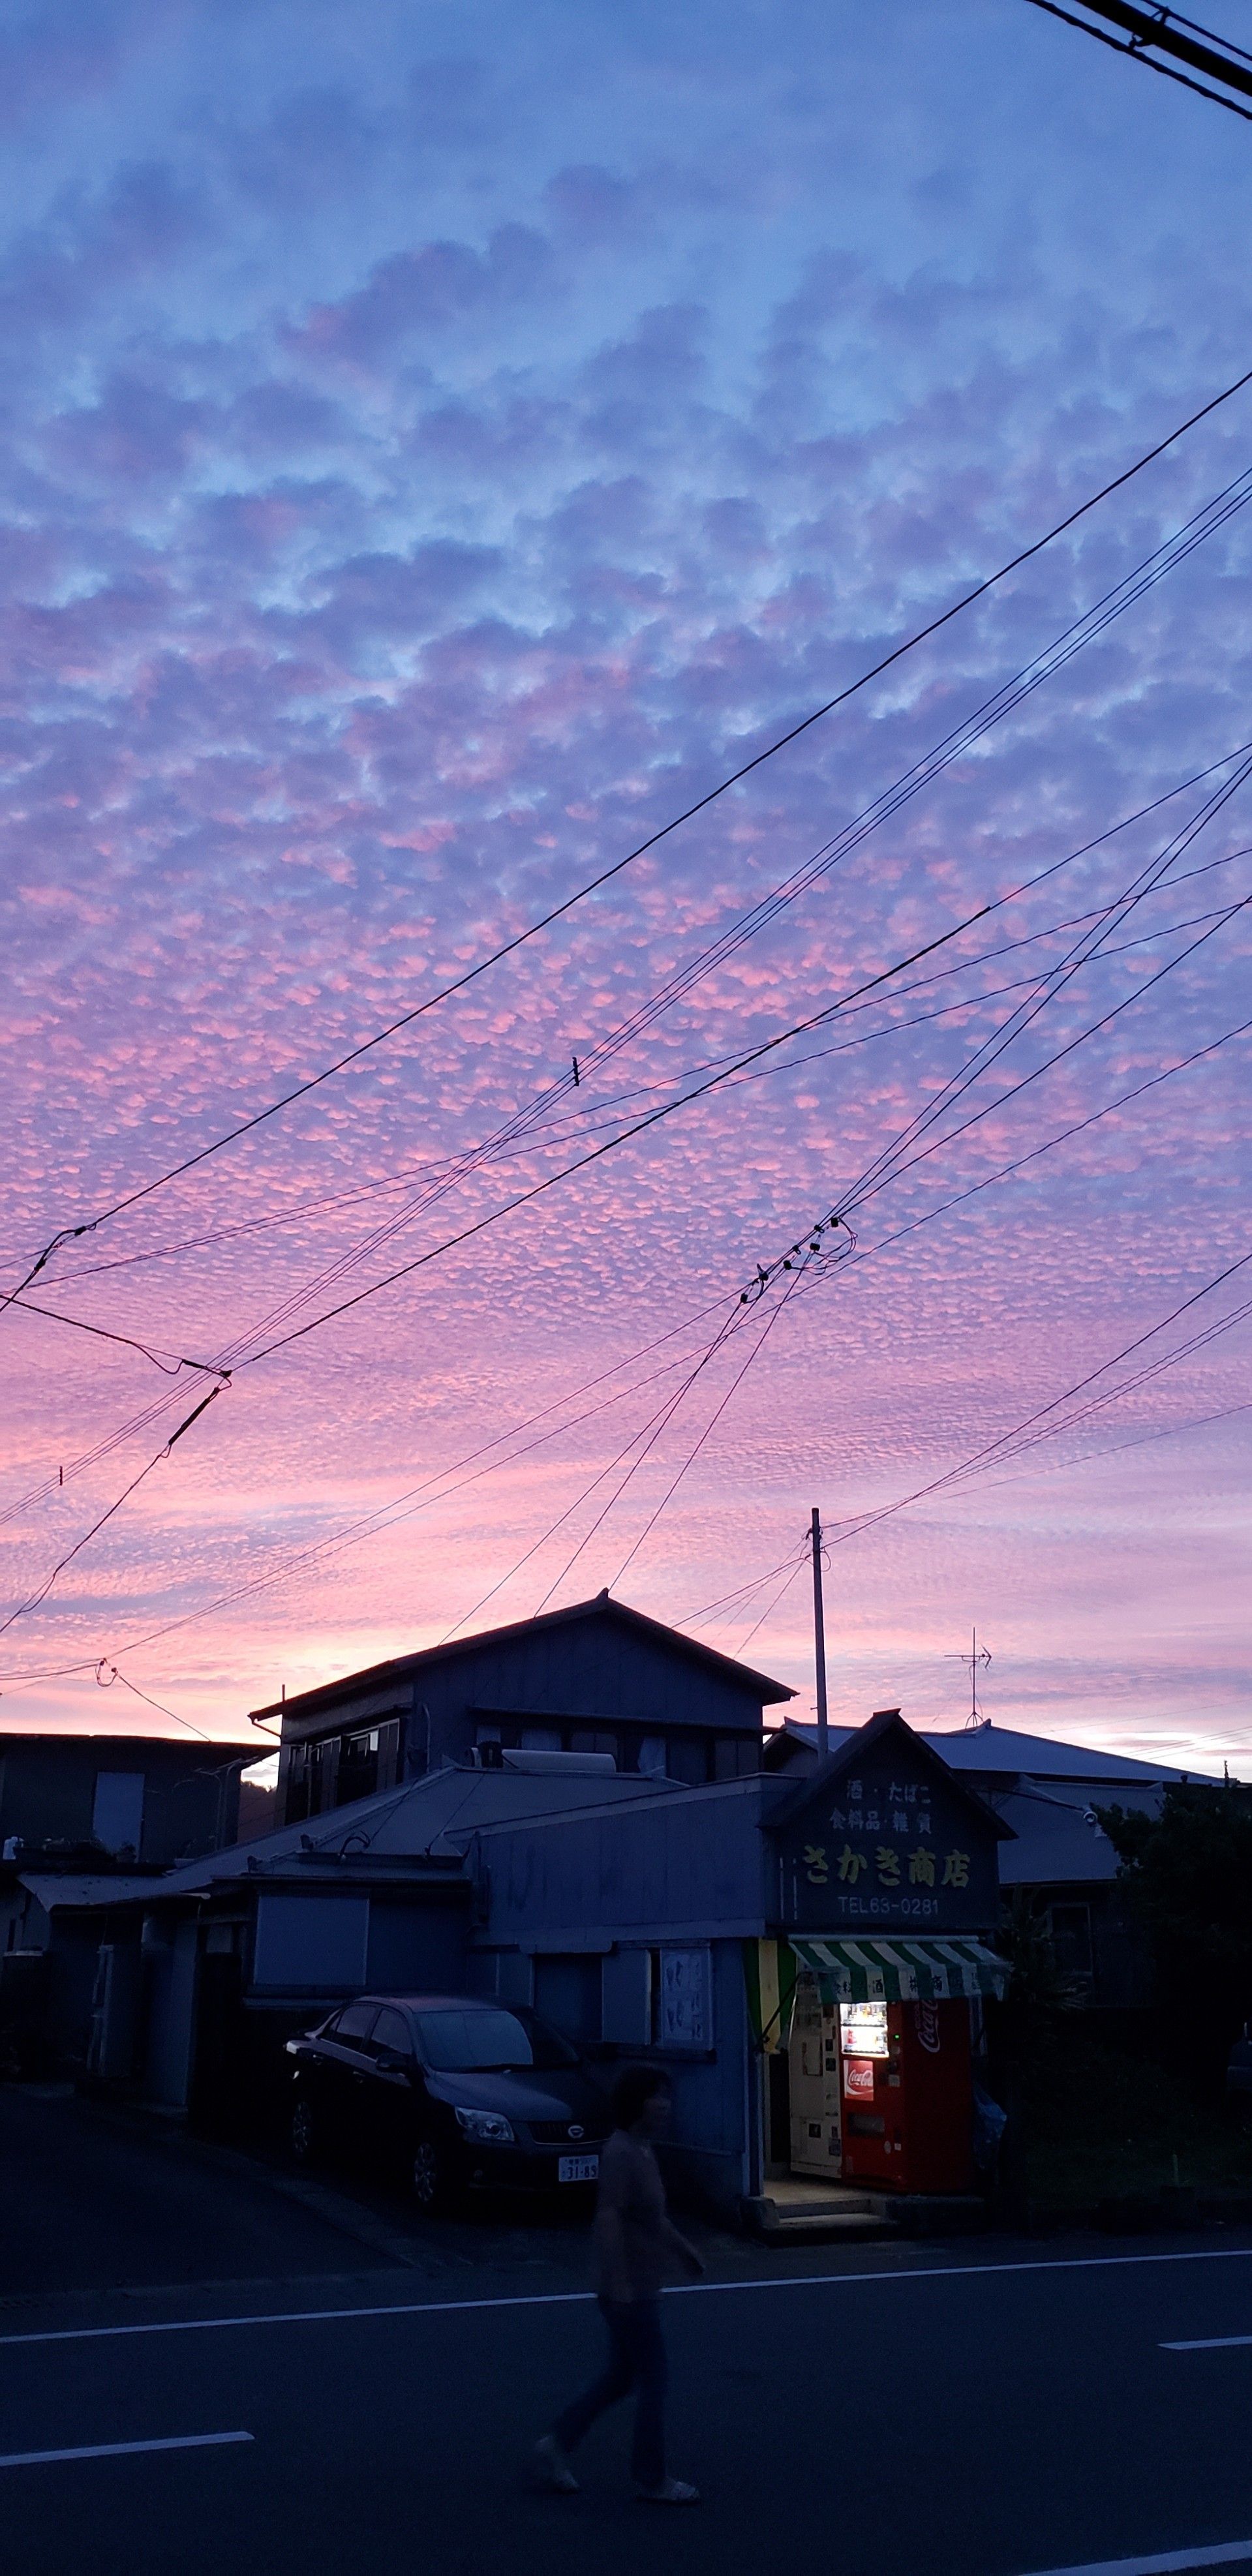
x=637, y=2246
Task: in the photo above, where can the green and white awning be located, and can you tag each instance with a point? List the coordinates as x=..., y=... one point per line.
x=902, y=1970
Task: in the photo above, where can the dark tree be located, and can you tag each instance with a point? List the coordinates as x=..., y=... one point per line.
x=1187, y=1873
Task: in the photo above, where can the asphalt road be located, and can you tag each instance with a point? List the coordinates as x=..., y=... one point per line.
x=230, y=2377
x=92, y=2203
x=919, y=2413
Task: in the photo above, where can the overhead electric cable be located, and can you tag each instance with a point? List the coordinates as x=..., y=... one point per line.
x=839, y=1532
x=79, y=1544
x=850, y=1202
x=1145, y=33
x=590, y=1113
x=700, y=805
x=374, y=1523
x=1082, y=630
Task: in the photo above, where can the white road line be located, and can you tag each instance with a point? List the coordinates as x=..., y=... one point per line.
x=1208, y=2343
x=583, y=2298
x=122, y=2450
x=1228, y=2553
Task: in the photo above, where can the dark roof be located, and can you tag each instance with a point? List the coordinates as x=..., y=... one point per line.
x=1005, y=1750
x=376, y=1676
x=862, y=1740
x=136, y=1745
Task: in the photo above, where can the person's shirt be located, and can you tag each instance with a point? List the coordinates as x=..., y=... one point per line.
x=631, y=2188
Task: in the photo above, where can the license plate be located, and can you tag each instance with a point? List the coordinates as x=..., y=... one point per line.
x=578, y=2169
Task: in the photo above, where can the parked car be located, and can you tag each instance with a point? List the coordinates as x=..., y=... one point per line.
x=465, y=2095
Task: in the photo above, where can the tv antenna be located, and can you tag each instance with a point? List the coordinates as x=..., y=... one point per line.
x=975, y=1662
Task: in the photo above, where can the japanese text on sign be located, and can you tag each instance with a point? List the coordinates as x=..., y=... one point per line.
x=883, y=1865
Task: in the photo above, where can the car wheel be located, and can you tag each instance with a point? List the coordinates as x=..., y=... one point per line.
x=432, y=2181
x=304, y=2131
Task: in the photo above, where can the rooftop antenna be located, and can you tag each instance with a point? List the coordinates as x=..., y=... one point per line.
x=977, y=1660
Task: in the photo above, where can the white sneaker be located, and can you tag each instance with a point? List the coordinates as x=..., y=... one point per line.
x=670, y=2491
x=552, y=2469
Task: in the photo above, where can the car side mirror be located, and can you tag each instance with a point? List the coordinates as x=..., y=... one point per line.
x=391, y=2060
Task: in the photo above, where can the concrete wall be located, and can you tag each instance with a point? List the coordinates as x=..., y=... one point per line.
x=594, y=1904
x=696, y=1859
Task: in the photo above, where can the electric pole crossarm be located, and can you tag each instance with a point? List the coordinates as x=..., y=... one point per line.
x=1147, y=34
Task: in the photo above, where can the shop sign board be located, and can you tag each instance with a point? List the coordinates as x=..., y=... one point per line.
x=886, y=1838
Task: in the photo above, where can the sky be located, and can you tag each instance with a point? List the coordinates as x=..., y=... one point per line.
x=439, y=446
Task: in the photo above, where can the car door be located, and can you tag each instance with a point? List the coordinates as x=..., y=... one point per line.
x=345, y=2067
x=389, y=2091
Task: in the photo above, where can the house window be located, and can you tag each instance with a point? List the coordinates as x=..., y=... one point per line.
x=117, y=1815
x=294, y=1801
x=1070, y=1930
x=736, y=1757
x=540, y=1739
x=689, y=1760
x=324, y=1774
x=358, y=1767
x=652, y=1757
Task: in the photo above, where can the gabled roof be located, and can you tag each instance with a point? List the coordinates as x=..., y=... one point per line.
x=990, y=1749
x=755, y=1685
x=865, y=1739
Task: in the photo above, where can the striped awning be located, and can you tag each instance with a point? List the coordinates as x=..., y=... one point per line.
x=904, y=1969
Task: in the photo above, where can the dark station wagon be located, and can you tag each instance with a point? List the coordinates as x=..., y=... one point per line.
x=463, y=2095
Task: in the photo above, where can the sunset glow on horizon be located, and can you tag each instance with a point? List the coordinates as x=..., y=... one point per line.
x=440, y=446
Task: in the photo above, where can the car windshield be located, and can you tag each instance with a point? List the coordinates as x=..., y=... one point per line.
x=489, y=2042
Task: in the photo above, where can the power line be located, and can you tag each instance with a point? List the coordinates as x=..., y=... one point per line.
x=991, y=1451
x=107, y=1674
x=508, y=948
x=785, y=1262
x=881, y=1172
x=522, y=1123
x=652, y=1426
x=79, y=1544
x=558, y=1129
x=1152, y=31
x=839, y=1533
x=1135, y=893
x=374, y=1523
x=1081, y=630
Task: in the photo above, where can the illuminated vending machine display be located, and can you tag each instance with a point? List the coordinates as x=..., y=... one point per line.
x=907, y=2095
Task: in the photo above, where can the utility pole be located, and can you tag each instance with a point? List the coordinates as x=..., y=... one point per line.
x=819, y=1638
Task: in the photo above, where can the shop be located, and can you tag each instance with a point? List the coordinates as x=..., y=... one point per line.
x=867, y=2002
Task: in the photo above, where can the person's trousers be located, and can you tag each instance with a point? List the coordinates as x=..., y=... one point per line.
x=636, y=2360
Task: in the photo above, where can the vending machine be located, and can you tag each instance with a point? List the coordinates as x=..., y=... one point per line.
x=907, y=2096
x=814, y=2084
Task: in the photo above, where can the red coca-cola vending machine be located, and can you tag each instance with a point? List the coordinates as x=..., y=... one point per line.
x=907, y=2096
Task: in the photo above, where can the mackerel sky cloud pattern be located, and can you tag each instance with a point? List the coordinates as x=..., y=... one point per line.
x=437, y=444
